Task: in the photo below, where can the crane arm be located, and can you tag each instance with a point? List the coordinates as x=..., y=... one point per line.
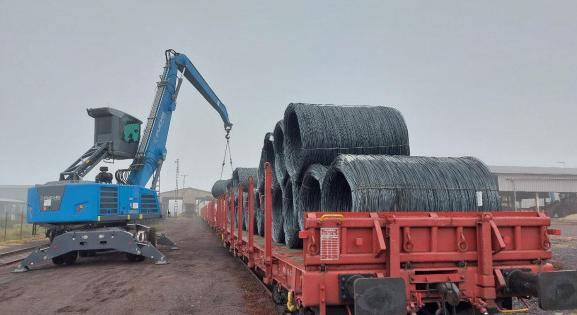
x=152, y=148
x=195, y=78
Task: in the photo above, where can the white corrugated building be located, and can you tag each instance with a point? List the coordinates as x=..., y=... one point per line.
x=549, y=189
x=184, y=199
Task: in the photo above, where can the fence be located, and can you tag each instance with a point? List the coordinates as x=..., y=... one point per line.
x=13, y=224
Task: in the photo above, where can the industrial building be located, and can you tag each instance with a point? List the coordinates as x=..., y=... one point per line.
x=186, y=200
x=549, y=189
x=12, y=199
x=14, y=192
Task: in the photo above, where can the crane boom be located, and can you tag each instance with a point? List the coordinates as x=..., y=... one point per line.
x=152, y=149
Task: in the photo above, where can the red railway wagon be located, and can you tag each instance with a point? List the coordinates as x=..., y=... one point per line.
x=400, y=262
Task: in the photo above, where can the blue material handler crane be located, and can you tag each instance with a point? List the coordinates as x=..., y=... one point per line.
x=85, y=217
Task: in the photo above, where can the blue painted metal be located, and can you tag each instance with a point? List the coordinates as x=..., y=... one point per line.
x=156, y=143
x=88, y=202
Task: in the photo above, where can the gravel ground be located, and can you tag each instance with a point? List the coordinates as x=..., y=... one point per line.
x=201, y=278
x=565, y=245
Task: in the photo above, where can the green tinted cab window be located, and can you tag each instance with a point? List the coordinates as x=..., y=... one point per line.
x=131, y=132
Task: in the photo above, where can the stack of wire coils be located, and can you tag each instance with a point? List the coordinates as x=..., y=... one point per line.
x=240, y=176
x=357, y=158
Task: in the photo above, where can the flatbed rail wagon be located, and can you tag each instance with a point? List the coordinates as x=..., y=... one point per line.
x=400, y=262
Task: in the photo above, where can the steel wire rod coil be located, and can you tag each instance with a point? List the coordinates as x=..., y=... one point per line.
x=277, y=215
x=309, y=196
x=291, y=229
x=279, y=157
x=316, y=133
x=258, y=213
x=240, y=175
x=220, y=187
x=255, y=213
x=408, y=183
x=266, y=155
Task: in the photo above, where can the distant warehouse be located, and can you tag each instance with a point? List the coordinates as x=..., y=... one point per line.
x=549, y=189
x=174, y=202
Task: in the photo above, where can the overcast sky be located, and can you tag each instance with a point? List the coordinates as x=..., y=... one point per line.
x=491, y=79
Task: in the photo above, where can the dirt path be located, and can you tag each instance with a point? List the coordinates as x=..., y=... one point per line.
x=201, y=278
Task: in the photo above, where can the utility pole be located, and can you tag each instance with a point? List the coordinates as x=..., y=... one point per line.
x=176, y=190
x=184, y=180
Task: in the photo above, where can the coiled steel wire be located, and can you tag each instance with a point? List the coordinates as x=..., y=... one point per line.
x=259, y=213
x=266, y=155
x=316, y=133
x=279, y=155
x=220, y=187
x=240, y=175
x=290, y=195
x=234, y=193
x=309, y=196
x=256, y=205
x=408, y=183
x=277, y=215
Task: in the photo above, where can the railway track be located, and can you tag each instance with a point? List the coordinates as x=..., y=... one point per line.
x=17, y=255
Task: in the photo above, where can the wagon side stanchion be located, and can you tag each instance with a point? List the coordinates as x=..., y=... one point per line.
x=268, y=223
x=250, y=227
x=239, y=206
x=231, y=220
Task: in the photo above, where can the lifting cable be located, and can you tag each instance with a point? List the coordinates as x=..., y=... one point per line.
x=227, y=150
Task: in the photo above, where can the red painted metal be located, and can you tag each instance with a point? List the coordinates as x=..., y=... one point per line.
x=554, y=231
x=467, y=248
x=239, y=242
x=231, y=218
x=267, y=223
x=250, y=228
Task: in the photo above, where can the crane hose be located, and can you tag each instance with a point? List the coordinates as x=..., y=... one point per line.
x=121, y=176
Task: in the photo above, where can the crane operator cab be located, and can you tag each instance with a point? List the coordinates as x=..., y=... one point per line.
x=119, y=129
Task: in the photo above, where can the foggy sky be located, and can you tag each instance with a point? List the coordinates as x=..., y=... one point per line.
x=493, y=79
